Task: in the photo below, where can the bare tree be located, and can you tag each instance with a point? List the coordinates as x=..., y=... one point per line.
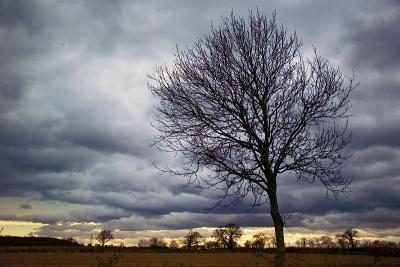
x=342, y=242
x=310, y=242
x=379, y=244
x=104, y=236
x=193, y=238
x=212, y=245
x=228, y=235
x=350, y=235
x=301, y=242
x=260, y=240
x=326, y=241
x=155, y=242
x=248, y=244
x=144, y=243
x=71, y=240
x=173, y=244
x=243, y=106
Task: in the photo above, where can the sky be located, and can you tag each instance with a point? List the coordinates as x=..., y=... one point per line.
x=76, y=113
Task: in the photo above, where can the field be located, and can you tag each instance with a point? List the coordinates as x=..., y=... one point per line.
x=77, y=259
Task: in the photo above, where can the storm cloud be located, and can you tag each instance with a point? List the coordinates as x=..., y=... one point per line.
x=75, y=112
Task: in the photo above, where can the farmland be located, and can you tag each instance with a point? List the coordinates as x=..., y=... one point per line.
x=80, y=259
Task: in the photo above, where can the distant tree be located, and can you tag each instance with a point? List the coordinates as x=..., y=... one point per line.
x=228, y=235
x=310, y=243
x=212, y=245
x=260, y=240
x=341, y=241
x=301, y=242
x=350, y=235
x=71, y=240
x=377, y=244
x=144, y=243
x=91, y=240
x=157, y=243
x=326, y=241
x=317, y=243
x=272, y=242
x=244, y=106
x=153, y=242
x=173, y=244
x=162, y=244
x=104, y=236
x=389, y=244
x=248, y=244
x=192, y=239
x=380, y=244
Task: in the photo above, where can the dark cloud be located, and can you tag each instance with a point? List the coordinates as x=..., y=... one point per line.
x=25, y=206
x=373, y=36
x=75, y=112
x=376, y=218
x=22, y=14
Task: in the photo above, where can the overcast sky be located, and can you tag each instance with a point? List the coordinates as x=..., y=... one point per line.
x=75, y=115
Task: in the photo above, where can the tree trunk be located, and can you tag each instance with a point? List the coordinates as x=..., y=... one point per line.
x=278, y=223
x=352, y=243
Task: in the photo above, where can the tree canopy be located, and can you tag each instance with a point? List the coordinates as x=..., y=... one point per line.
x=104, y=236
x=243, y=106
x=228, y=235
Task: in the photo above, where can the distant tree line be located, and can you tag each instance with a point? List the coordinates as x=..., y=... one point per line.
x=346, y=240
x=223, y=237
x=227, y=237
x=153, y=242
x=261, y=241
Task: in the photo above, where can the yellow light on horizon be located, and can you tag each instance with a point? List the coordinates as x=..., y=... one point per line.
x=19, y=228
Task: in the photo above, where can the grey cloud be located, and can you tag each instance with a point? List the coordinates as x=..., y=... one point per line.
x=39, y=218
x=48, y=159
x=106, y=136
x=375, y=39
x=11, y=87
x=21, y=13
x=184, y=220
x=99, y=214
x=379, y=133
x=376, y=218
x=370, y=44
x=25, y=206
x=81, y=230
x=365, y=196
x=148, y=203
x=374, y=162
x=22, y=184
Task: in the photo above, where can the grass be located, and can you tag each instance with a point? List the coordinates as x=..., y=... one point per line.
x=109, y=259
